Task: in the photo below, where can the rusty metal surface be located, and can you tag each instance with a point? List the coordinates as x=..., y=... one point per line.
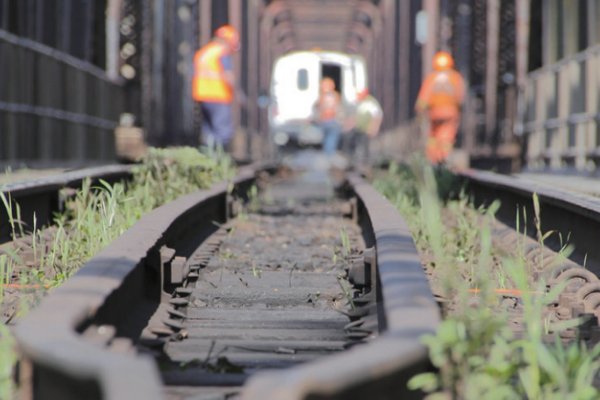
x=269, y=297
x=54, y=106
x=575, y=219
x=77, y=345
x=407, y=309
x=57, y=55
x=40, y=197
x=103, y=293
x=66, y=179
x=584, y=183
x=575, y=216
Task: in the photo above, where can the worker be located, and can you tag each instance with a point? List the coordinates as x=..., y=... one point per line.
x=328, y=113
x=368, y=117
x=214, y=85
x=441, y=96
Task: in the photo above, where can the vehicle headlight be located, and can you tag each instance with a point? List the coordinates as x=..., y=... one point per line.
x=281, y=138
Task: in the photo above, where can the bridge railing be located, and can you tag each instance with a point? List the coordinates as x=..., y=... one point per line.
x=54, y=107
x=561, y=114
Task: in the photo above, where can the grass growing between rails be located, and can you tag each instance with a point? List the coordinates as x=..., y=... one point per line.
x=476, y=354
x=98, y=215
x=444, y=231
x=8, y=359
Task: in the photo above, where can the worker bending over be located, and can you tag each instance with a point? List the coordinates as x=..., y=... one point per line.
x=441, y=96
x=328, y=114
x=214, y=85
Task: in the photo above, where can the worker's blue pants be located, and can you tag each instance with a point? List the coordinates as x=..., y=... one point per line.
x=217, y=123
x=331, y=137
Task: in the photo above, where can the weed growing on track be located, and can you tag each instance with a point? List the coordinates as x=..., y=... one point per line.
x=8, y=359
x=98, y=215
x=476, y=354
x=345, y=250
x=401, y=186
x=5, y=273
x=254, y=202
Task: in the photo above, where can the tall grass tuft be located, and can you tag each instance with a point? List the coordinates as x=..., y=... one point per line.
x=8, y=359
x=475, y=353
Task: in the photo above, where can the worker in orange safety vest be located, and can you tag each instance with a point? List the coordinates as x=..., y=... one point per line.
x=214, y=85
x=441, y=96
x=328, y=114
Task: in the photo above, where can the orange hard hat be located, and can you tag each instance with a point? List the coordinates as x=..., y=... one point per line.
x=327, y=85
x=442, y=60
x=362, y=94
x=230, y=35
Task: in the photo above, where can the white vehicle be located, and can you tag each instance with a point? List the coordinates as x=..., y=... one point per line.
x=295, y=85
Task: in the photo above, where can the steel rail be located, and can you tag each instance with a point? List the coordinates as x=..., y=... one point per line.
x=574, y=219
x=129, y=272
x=407, y=310
x=74, y=178
x=575, y=216
x=104, y=292
x=40, y=197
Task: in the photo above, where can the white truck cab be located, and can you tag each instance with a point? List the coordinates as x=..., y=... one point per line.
x=295, y=85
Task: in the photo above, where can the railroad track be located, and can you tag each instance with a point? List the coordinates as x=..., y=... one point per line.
x=301, y=294
x=34, y=204
x=574, y=218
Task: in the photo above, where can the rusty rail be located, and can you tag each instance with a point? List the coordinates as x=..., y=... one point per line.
x=406, y=310
x=574, y=218
x=40, y=197
x=573, y=215
x=104, y=292
x=61, y=362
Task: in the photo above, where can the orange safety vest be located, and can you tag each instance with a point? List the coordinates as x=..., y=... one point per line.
x=209, y=84
x=441, y=89
x=328, y=106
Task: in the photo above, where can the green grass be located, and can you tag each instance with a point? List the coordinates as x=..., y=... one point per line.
x=475, y=354
x=98, y=215
x=8, y=358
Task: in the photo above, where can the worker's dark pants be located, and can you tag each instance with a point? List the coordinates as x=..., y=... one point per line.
x=217, y=123
x=356, y=145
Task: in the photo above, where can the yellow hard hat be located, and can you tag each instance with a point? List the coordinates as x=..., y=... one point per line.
x=442, y=60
